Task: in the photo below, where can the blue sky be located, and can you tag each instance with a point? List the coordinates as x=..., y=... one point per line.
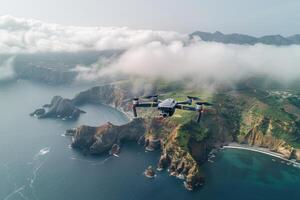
x=256, y=17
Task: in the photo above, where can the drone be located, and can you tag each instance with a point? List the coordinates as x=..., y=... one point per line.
x=168, y=106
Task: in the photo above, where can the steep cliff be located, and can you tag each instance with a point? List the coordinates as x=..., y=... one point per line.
x=97, y=140
x=263, y=131
x=107, y=94
x=180, y=162
x=58, y=108
x=259, y=119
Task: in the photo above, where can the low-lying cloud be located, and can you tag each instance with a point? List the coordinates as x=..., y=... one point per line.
x=7, y=69
x=150, y=54
x=203, y=62
x=18, y=35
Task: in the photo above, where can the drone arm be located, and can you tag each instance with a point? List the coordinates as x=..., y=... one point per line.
x=199, y=109
x=147, y=105
x=134, y=110
x=183, y=107
x=185, y=102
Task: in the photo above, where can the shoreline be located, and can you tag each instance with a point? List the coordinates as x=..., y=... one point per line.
x=121, y=110
x=260, y=150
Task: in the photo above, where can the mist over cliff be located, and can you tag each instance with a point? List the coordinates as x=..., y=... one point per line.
x=6, y=69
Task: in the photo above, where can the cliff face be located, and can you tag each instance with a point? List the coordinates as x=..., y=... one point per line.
x=154, y=134
x=97, y=140
x=107, y=94
x=181, y=163
x=259, y=130
x=58, y=108
x=261, y=122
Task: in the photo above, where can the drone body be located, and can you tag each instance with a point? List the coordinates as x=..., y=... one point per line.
x=168, y=106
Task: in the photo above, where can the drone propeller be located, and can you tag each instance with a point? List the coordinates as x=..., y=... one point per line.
x=154, y=97
x=150, y=96
x=204, y=103
x=193, y=98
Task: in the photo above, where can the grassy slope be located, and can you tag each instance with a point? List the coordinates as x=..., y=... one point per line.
x=232, y=107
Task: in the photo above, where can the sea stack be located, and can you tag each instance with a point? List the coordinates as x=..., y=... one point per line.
x=149, y=172
x=115, y=149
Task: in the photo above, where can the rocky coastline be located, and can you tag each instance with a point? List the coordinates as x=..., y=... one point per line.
x=152, y=133
x=104, y=139
x=181, y=161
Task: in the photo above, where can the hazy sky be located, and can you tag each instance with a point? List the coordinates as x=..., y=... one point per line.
x=256, y=17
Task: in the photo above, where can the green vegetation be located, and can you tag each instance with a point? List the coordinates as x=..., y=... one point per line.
x=167, y=86
x=295, y=101
x=193, y=130
x=264, y=125
x=236, y=113
x=231, y=112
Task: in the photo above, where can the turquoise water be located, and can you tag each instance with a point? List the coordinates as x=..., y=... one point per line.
x=36, y=161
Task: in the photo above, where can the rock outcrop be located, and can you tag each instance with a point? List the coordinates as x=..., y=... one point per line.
x=180, y=162
x=38, y=112
x=296, y=154
x=97, y=140
x=115, y=149
x=70, y=132
x=152, y=142
x=107, y=94
x=59, y=108
x=149, y=172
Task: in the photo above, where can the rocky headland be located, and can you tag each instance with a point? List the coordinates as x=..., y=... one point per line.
x=179, y=163
x=97, y=140
x=58, y=108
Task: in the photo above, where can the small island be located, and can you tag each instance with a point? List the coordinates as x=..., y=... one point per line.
x=149, y=172
x=59, y=107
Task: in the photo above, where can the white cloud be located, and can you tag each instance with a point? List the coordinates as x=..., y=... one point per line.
x=204, y=62
x=150, y=54
x=18, y=35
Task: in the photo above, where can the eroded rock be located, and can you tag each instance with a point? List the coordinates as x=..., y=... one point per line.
x=115, y=149
x=59, y=108
x=101, y=139
x=149, y=172
x=38, y=112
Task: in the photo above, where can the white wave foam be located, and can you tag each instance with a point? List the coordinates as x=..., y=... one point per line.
x=16, y=191
x=43, y=151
